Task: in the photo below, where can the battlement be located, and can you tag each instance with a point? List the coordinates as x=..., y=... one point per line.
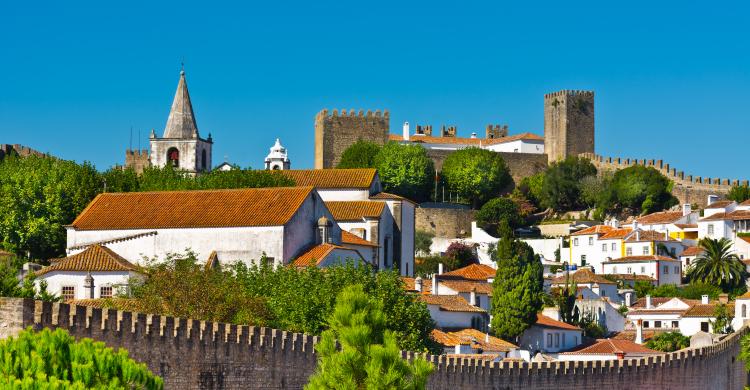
x=496, y=131
x=337, y=130
x=139, y=153
x=352, y=113
x=20, y=150
x=569, y=92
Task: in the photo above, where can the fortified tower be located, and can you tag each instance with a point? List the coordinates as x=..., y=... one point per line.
x=335, y=132
x=568, y=124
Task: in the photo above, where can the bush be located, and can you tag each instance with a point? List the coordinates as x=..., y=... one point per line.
x=460, y=254
x=668, y=342
x=497, y=211
x=429, y=265
x=532, y=188
x=638, y=189
x=422, y=242
x=406, y=170
x=739, y=194
x=561, y=188
x=475, y=174
x=360, y=154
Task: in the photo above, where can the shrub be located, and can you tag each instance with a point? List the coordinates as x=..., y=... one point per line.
x=475, y=174
x=668, y=342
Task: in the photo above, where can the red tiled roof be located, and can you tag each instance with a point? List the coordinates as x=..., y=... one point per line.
x=95, y=258
x=582, y=276
x=318, y=254
x=656, y=301
x=466, y=286
x=737, y=215
x=473, y=337
x=451, y=303
x=409, y=284
x=745, y=203
x=719, y=204
x=192, y=209
x=616, y=233
x=332, y=178
x=547, y=322
x=353, y=239
x=596, y=229
x=660, y=217
x=692, y=251
x=355, y=210
x=633, y=259
x=701, y=310
x=387, y=196
x=648, y=235
x=611, y=347
x=474, y=272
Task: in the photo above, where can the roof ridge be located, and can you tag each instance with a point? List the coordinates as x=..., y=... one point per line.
x=207, y=190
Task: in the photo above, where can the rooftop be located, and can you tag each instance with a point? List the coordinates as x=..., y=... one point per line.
x=611, y=347
x=737, y=215
x=719, y=204
x=638, y=259
x=355, y=210
x=450, y=303
x=361, y=178
x=660, y=217
x=547, y=322
x=466, y=286
x=582, y=276
x=616, y=234
x=95, y=258
x=477, y=339
x=474, y=272
x=596, y=229
x=648, y=235
x=318, y=253
x=692, y=251
x=353, y=239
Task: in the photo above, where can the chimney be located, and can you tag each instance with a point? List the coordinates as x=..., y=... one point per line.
x=704, y=299
x=686, y=209
x=639, y=331
x=473, y=297
x=620, y=355
x=440, y=268
x=418, y=284
x=711, y=199
x=724, y=298
x=595, y=288
x=637, y=234
x=486, y=337
x=88, y=285
x=648, y=302
x=635, y=224
x=473, y=135
x=435, y=285
x=324, y=230
x=628, y=299
x=406, y=131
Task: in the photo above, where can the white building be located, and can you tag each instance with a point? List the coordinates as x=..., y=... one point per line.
x=676, y=314
x=666, y=221
x=664, y=270
x=608, y=349
x=447, y=140
x=454, y=312
x=97, y=272
x=550, y=336
x=688, y=256
x=472, y=342
x=372, y=221
x=584, y=278
x=277, y=159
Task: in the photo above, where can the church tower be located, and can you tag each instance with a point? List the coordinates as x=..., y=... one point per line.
x=278, y=158
x=181, y=146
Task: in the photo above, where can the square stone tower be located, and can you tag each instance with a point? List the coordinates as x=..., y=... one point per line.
x=568, y=124
x=335, y=132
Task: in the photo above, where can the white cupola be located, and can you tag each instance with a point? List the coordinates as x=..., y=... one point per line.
x=277, y=158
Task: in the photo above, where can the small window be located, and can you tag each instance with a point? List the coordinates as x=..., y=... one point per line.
x=744, y=311
x=604, y=247
x=657, y=324
x=666, y=269
x=710, y=230
x=549, y=340
x=645, y=324
x=643, y=270
x=68, y=293
x=704, y=326
x=629, y=252
x=591, y=241
x=614, y=246
x=583, y=260
x=557, y=340
x=673, y=251
x=687, y=261
x=105, y=292
x=630, y=270
x=575, y=241
x=645, y=250
x=614, y=269
x=675, y=324
x=677, y=269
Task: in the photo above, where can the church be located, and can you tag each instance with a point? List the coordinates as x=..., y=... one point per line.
x=181, y=145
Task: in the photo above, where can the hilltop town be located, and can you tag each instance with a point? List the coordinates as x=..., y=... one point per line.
x=504, y=260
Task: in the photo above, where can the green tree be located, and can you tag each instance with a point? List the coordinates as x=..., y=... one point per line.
x=460, y=254
x=739, y=194
x=430, y=265
x=517, y=288
x=565, y=300
x=55, y=360
x=406, y=170
x=718, y=265
x=643, y=288
x=475, y=174
x=561, y=189
x=360, y=154
x=668, y=342
x=638, y=189
x=368, y=356
x=497, y=211
x=422, y=242
x=532, y=188
x=722, y=322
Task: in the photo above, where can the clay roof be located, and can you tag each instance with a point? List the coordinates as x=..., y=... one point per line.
x=473, y=337
x=318, y=253
x=656, y=301
x=388, y=196
x=353, y=239
x=466, y=286
x=692, y=251
x=547, y=322
x=596, y=229
x=648, y=333
x=409, y=284
x=633, y=259
x=192, y=209
x=611, y=347
x=451, y=303
x=701, y=310
x=126, y=304
x=660, y=217
x=427, y=139
x=616, y=233
x=582, y=276
x=475, y=356
x=355, y=210
x=474, y=272
x=632, y=277
x=719, y=204
x=745, y=203
x=181, y=121
x=95, y=258
x=361, y=178
x=687, y=225
x=648, y=235
x=736, y=215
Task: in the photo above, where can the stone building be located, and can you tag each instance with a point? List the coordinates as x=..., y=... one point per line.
x=568, y=124
x=335, y=132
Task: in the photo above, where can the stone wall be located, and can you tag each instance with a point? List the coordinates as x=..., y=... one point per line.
x=520, y=165
x=138, y=160
x=687, y=188
x=202, y=355
x=335, y=132
x=444, y=220
x=568, y=124
x=22, y=151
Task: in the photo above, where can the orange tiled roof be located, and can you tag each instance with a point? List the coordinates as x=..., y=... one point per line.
x=466, y=286
x=596, y=229
x=353, y=239
x=632, y=277
x=684, y=226
x=657, y=301
x=745, y=203
x=701, y=310
x=582, y=276
x=737, y=215
x=547, y=322
x=332, y=178
x=744, y=238
x=355, y=210
x=126, y=304
x=660, y=217
x=95, y=258
x=388, y=196
x=611, y=347
x=475, y=356
x=692, y=251
x=627, y=259
x=192, y=209
x=616, y=233
x=473, y=337
x=451, y=303
x=474, y=272
x=318, y=253
x=648, y=235
x=719, y=204
x=409, y=284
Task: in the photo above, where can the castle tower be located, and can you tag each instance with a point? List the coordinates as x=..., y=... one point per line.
x=181, y=146
x=568, y=124
x=335, y=132
x=278, y=158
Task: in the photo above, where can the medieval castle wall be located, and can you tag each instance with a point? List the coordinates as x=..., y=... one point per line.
x=192, y=354
x=441, y=220
x=138, y=160
x=20, y=150
x=335, y=132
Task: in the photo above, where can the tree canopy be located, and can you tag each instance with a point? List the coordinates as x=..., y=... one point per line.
x=368, y=356
x=55, y=360
x=638, y=189
x=497, y=211
x=475, y=174
x=668, y=342
x=718, y=265
x=406, y=170
x=561, y=187
x=739, y=194
x=360, y=154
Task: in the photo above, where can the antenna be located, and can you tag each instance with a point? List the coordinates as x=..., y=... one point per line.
x=182, y=65
x=130, y=146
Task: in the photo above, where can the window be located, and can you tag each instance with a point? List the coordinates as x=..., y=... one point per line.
x=575, y=241
x=687, y=261
x=657, y=324
x=557, y=340
x=645, y=324
x=675, y=324
x=677, y=269
x=710, y=230
x=643, y=270
x=68, y=293
x=645, y=249
x=604, y=247
x=673, y=251
x=105, y=292
x=630, y=270
x=614, y=246
x=704, y=326
x=583, y=260
x=629, y=252
x=173, y=157
x=203, y=159
x=666, y=269
x=744, y=311
x=549, y=340
x=591, y=241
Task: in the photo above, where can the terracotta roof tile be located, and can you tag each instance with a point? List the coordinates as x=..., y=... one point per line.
x=692, y=251
x=745, y=203
x=353, y=239
x=192, y=209
x=737, y=215
x=719, y=204
x=547, y=322
x=409, y=284
x=473, y=337
x=361, y=178
x=355, y=210
x=632, y=277
x=648, y=235
x=474, y=272
x=684, y=226
x=616, y=233
x=700, y=310
x=451, y=303
x=656, y=301
x=474, y=356
x=611, y=347
x=466, y=286
x=582, y=276
x=631, y=259
x=318, y=254
x=387, y=196
x=660, y=217
x=95, y=258
x=596, y=229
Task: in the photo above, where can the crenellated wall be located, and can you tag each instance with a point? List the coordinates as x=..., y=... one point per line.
x=203, y=355
x=334, y=132
x=687, y=188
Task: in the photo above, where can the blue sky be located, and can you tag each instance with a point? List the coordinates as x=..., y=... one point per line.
x=672, y=79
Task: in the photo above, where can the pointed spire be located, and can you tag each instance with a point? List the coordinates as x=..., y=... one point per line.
x=181, y=122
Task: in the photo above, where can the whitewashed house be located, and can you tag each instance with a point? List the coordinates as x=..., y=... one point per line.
x=608, y=349
x=472, y=342
x=370, y=221
x=454, y=312
x=446, y=139
x=676, y=314
x=664, y=270
x=550, y=336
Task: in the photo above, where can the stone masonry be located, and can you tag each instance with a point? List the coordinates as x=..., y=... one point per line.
x=568, y=124
x=335, y=132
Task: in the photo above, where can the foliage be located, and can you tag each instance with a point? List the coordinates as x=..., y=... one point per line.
x=638, y=189
x=718, y=265
x=531, y=187
x=739, y=194
x=475, y=174
x=722, y=322
x=591, y=327
x=496, y=211
x=54, y=360
x=406, y=170
x=368, y=357
x=422, y=242
x=525, y=206
x=360, y=154
x=517, y=287
x=668, y=342
x=694, y=290
x=460, y=254
x=591, y=189
x=561, y=188
x=565, y=301
x=429, y=265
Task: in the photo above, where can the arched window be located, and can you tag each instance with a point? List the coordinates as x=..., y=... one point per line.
x=744, y=311
x=203, y=159
x=173, y=157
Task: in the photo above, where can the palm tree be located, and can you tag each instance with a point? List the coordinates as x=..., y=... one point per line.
x=718, y=265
